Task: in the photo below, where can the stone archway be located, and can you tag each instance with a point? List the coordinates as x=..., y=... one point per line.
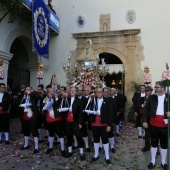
x=125, y=44
x=26, y=38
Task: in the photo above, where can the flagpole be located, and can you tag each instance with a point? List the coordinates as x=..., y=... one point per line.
x=167, y=83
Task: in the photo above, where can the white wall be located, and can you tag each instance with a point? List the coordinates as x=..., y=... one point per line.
x=152, y=18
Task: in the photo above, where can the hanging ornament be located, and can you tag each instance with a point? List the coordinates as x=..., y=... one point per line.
x=40, y=73
x=147, y=77
x=2, y=74
x=166, y=73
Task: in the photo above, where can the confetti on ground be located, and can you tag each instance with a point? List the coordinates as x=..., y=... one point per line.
x=128, y=154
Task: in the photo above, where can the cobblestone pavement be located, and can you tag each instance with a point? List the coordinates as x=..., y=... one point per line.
x=127, y=157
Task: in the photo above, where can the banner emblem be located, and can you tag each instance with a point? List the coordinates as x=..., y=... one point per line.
x=40, y=27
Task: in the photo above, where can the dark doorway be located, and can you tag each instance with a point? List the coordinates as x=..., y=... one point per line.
x=115, y=79
x=17, y=71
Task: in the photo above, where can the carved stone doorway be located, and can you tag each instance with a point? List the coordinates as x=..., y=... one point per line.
x=126, y=45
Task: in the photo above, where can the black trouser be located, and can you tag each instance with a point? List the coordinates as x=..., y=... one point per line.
x=55, y=127
x=138, y=120
x=84, y=130
x=117, y=120
x=159, y=134
x=42, y=121
x=147, y=138
x=73, y=128
x=100, y=131
x=110, y=134
x=20, y=113
x=4, y=122
x=30, y=126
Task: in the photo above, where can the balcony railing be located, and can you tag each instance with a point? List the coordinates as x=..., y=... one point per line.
x=27, y=15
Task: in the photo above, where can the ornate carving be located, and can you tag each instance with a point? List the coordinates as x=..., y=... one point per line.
x=105, y=22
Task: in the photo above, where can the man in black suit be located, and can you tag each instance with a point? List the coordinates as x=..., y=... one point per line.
x=101, y=124
x=138, y=107
x=148, y=91
x=4, y=107
x=30, y=112
x=106, y=94
x=85, y=118
x=19, y=96
x=119, y=107
x=155, y=111
x=74, y=122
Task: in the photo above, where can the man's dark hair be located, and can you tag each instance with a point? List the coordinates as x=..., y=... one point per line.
x=41, y=86
x=63, y=87
x=161, y=83
x=2, y=84
x=48, y=86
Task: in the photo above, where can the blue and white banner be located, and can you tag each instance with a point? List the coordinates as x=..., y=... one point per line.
x=40, y=28
x=54, y=20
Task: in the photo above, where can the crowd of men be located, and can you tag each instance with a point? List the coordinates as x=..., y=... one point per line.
x=78, y=115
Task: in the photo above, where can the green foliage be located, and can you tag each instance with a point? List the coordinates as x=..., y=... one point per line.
x=12, y=6
x=131, y=116
x=135, y=86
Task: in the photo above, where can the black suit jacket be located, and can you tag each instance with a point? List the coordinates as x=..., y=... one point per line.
x=151, y=107
x=106, y=112
x=77, y=110
x=114, y=105
x=6, y=100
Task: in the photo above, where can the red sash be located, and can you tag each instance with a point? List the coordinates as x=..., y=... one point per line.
x=70, y=117
x=98, y=121
x=25, y=117
x=51, y=119
x=3, y=112
x=158, y=121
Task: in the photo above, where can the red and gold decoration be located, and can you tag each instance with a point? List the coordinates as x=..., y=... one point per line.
x=147, y=77
x=2, y=74
x=40, y=73
x=166, y=73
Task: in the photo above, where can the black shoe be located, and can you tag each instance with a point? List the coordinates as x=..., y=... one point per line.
x=100, y=149
x=49, y=150
x=88, y=149
x=74, y=147
x=145, y=149
x=108, y=161
x=23, y=148
x=165, y=167
x=63, y=153
x=151, y=166
x=113, y=150
x=35, y=151
x=82, y=157
x=139, y=137
x=95, y=159
x=117, y=134
x=69, y=154
x=7, y=142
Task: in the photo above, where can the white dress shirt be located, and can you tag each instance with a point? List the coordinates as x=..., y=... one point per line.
x=72, y=100
x=1, y=96
x=99, y=105
x=160, y=108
